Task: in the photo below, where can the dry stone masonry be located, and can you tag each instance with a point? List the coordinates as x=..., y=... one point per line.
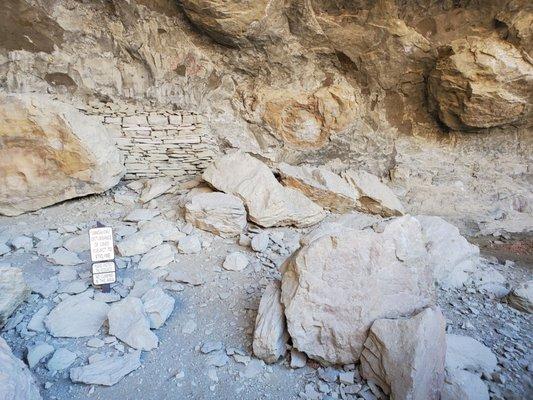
x=175, y=143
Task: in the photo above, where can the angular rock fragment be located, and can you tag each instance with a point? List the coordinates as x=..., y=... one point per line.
x=62, y=359
x=78, y=244
x=76, y=316
x=521, y=297
x=270, y=335
x=260, y=242
x=185, y=274
x=450, y=254
x=158, y=305
x=37, y=353
x=220, y=213
x=159, y=256
x=129, y=323
x=13, y=291
x=141, y=214
x=336, y=286
x=267, y=201
x=373, y=196
x=189, y=245
x=16, y=381
x=153, y=188
x=64, y=257
x=51, y=152
x=405, y=356
x=324, y=187
x=139, y=243
x=108, y=371
x=235, y=261
x=37, y=321
x=167, y=229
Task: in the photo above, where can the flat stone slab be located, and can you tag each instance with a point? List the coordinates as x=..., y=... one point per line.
x=108, y=371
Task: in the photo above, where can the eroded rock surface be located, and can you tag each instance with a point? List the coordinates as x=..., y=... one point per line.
x=51, y=152
x=481, y=82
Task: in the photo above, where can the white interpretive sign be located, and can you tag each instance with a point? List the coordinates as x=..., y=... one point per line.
x=104, y=273
x=102, y=247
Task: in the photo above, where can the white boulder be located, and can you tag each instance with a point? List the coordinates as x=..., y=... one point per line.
x=335, y=287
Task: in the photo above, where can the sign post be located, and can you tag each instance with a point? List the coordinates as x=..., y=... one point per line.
x=103, y=256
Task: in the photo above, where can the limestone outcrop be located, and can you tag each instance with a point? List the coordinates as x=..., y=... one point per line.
x=481, y=82
x=336, y=286
x=50, y=152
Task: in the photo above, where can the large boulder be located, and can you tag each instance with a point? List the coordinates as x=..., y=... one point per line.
x=373, y=196
x=50, y=152
x=270, y=335
x=321, y=185
x=453, y=258
x=481, y=83
x=16, y=380
x=267, y=201
x=13, y=291
x=228, y=22
x=405, y=357
x=337, y=285
x=220, y=213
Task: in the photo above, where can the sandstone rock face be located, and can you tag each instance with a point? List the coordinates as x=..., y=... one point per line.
x=320, y=185
x=335, y=287
x=13, y=291
x=405, y=357
x=220, y=213
x=373, y=196
x=307, y=119
x=481, y=83
x=450, y=254
x=51, y=152
x=267, y=201
x=270, y=335
x=521, y=297
x=16, y=381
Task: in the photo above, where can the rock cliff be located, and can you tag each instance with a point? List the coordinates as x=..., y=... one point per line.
x=433, y=96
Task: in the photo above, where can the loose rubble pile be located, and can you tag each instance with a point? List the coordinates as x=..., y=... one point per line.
x=355, y=300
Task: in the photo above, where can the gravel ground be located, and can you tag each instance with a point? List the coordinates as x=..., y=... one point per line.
x=223, y=309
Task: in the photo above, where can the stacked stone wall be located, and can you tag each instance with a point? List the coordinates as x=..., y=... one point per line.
x=176, y=144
